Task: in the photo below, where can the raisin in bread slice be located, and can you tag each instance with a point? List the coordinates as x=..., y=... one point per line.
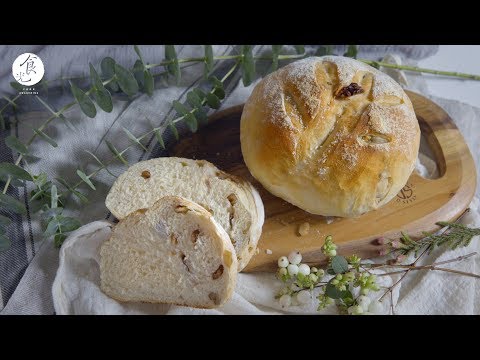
x=174, y=252
x=234, y=203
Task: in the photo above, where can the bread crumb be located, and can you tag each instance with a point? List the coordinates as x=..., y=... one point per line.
x=257, y=251
x=329, y=220
x=268, y=252
x=304, y=228
x=283, y=221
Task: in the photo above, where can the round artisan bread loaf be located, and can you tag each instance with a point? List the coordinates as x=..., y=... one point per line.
x=330, y=135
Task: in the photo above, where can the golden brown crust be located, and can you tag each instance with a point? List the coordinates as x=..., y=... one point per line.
x=331, y=135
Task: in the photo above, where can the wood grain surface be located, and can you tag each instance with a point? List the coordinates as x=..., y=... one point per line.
x=415, y=209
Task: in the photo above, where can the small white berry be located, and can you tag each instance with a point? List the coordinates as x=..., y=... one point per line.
x=285, y=301
x=304, y=297
x=283, y=262
x=292, y=269
x=355, y=310
x=282, y=271
x=364, y=302
x=313, y=277
x=304, y=269
x=376, y=307
x=364, y=291
x=313, y=269
x=295, y=257
x=320, y=273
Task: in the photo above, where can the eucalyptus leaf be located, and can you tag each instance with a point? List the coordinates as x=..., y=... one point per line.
x=248, y=65
x=324, y=50
x=339, y=264
x=352, y=51
x=86, y=179
x=67, y=224
x=218, y=87
x=96, y=81
x=4, y=243
x=201, y=115
x=149, y=82
x=174, y=131
x=159, y=137
x=208, y=60
x=58, y=239
x=138, y=73
x=108, y=70
x=133, y=138
x=9, y=203
x=300, y=49
x=332, y=292
x=193, y=99
x=45, y=137
x=137, y=50
x=4, y=221
x=104, y=99
x=180, y=108
x=174, y=67
x=115, y=152
x=2, y=230
x=16, y=86
x=200, y=93
x=101, y=94
x=213, y=101
x=191, y=122
x=16, y=172
x=86, y=104
x=13, y=143
x=126, y=80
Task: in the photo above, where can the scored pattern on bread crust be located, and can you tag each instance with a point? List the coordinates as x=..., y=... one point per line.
x=299, y=135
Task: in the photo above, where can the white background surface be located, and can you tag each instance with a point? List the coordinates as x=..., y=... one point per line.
x=459, y=58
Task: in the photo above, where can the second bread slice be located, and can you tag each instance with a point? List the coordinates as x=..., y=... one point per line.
x=174, y=252
x=233, y=202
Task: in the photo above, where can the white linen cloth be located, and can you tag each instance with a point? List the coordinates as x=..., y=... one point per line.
x=76, y=289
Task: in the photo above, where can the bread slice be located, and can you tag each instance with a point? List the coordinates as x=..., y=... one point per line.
x=233, y=202
x=174, y=252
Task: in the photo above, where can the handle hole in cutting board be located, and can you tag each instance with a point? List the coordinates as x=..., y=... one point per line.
x=428, y=167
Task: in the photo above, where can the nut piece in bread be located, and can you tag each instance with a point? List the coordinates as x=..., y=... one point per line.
x=331, y=135
x=174, y=252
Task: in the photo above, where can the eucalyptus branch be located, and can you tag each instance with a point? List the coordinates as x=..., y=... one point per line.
x=148, y=133
x=377, y=64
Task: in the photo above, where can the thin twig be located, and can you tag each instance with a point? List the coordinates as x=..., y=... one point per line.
x=390, y=289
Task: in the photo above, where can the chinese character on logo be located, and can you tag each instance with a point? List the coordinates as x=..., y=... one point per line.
x=28, y=69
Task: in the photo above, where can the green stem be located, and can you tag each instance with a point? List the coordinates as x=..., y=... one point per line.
x=422, y=70
x=224, y=57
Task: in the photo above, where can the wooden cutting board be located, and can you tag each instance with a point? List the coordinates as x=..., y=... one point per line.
x=415, y=209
